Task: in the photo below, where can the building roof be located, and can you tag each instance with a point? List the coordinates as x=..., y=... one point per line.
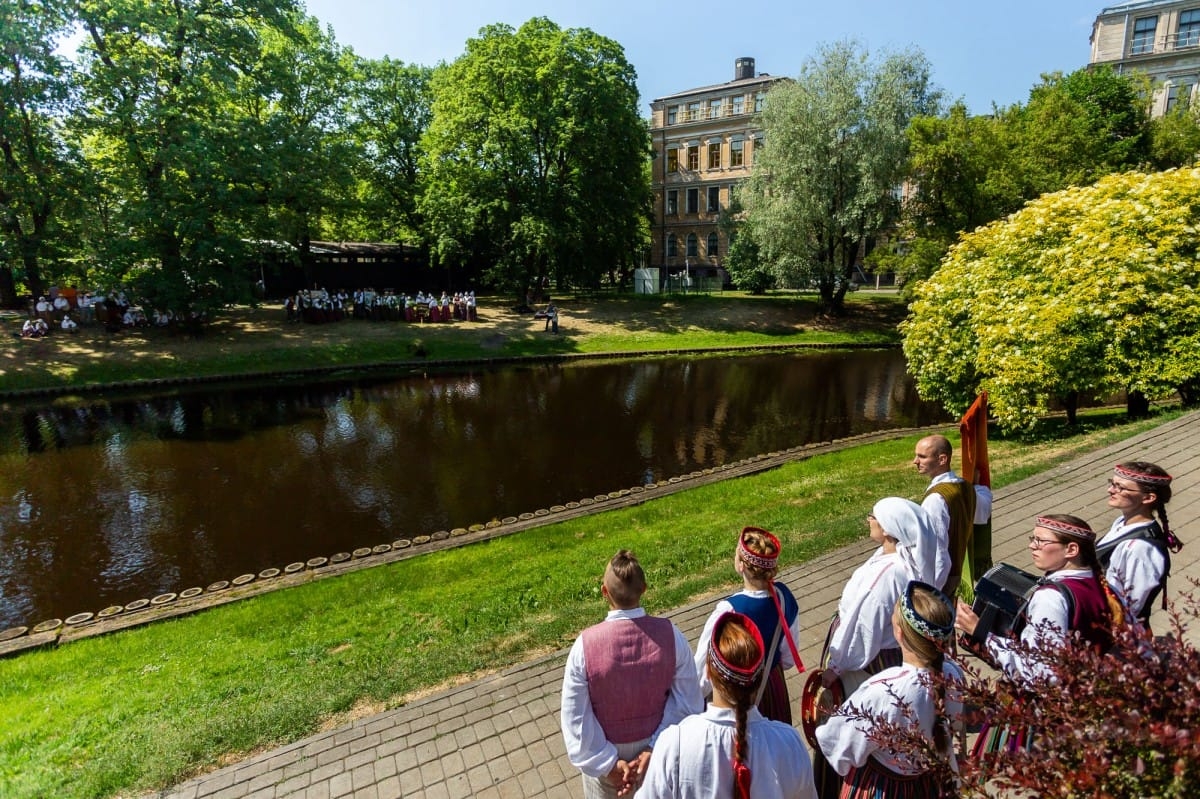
x=761, y=77
x=1138, y=5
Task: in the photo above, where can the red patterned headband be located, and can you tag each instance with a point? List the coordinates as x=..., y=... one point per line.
x=1144, y=479
x=744, y=676
x=1066, y=528
x=765, y=562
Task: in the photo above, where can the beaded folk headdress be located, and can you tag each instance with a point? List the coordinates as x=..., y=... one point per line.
x=925, y=628
x=1086, y=534
x=744, y=676
x=765, y=562
x=1141, y=477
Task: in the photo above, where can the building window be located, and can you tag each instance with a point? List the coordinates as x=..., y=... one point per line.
x=1189, y=29
x=693, y=245
x=739, y=104
x=714, y=109
x=1180, y=93
x=672, y=246
x=759, y=99
x=713, y=246
x=737, y=152
x=693, y=201
x=693, y=157
x=1143, y=35
x=714, y=155
x=672, y=114
x=672, y=202
x=673, y=159
x=693, y=111
x=714, y=199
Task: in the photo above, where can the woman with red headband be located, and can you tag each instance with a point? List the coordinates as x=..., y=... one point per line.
x=1136, y=551
x=766, y=602
x=730, y=749
x=1072, y=597
x=913, y=696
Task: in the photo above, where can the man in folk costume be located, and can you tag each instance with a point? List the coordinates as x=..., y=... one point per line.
x=627, y=679
x=950, y=503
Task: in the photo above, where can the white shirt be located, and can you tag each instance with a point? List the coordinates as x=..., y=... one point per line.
x=939, y=515
x=785, y=652
x=983, y=504
x=1048, y=625
x=900, y=695
x=865, y=612
x=694, y=759
x=1137, y=566
x=587, y=747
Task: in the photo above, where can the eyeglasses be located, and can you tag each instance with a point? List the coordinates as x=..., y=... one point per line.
x=1038, y=543
x=1113, y=485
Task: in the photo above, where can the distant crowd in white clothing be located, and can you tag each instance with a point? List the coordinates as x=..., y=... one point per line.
x=319, y=306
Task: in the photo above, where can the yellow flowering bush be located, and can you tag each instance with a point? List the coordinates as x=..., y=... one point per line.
x=1082, y=292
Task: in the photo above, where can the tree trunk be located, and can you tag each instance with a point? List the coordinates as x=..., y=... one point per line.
x=1189, y=393
x=8, y=288
x=1071, y=404
x=1137, y=405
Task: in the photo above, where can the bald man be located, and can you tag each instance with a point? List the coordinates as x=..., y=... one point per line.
x=950, y=502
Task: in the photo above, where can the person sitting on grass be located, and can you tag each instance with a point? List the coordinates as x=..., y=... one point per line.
x=68, y=324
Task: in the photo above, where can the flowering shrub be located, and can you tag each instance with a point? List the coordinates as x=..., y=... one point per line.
x=1084, y=291
x=1120, y=725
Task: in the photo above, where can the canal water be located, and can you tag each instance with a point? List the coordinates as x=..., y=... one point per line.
x=106, y=501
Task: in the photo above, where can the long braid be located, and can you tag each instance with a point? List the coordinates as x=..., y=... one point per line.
x=741, y=748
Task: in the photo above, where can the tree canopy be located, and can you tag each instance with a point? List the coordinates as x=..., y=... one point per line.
x=1083, y=292
x=534, y=156
x=824, y=185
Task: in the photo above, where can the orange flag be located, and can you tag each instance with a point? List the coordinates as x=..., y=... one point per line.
x=973, y=444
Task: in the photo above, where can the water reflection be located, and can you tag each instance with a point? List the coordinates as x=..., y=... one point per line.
x=107, y=502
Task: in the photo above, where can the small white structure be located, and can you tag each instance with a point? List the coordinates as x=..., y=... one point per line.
x=645, y=281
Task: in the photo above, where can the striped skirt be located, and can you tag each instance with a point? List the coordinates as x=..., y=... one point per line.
x=875, y=781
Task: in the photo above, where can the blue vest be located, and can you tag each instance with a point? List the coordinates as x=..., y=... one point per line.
x=762, y=612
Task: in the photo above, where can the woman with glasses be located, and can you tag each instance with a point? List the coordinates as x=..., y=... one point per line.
x=1071, y=597
x=1136, y=551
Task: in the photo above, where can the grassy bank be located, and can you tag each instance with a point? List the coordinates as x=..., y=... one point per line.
x=259, y=340
x=148, y=707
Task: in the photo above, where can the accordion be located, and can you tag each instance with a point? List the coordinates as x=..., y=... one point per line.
x=999, y=596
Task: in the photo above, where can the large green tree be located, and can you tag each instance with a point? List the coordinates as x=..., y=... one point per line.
x=534, y=157
x=296, y=153
x=824, y=186
x=1081, y=293
x=39, y=170
x=391, y=110
x=966, y=171
x=168, y=140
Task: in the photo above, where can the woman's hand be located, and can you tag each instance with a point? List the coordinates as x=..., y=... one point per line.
x=966, y=619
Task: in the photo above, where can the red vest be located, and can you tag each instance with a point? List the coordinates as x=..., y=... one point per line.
x=630, y=668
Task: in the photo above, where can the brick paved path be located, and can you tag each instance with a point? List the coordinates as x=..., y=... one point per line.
x=498, y=737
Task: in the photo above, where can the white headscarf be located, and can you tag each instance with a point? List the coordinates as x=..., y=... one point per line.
x=916, y=541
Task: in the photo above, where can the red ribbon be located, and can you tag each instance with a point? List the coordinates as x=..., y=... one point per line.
x=787, y=630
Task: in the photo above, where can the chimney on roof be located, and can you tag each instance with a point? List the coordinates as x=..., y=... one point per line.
x=743, y=68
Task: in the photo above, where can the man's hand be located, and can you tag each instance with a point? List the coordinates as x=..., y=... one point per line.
x=620, y=778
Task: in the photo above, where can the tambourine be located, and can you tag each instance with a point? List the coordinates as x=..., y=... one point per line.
x=818, y=703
